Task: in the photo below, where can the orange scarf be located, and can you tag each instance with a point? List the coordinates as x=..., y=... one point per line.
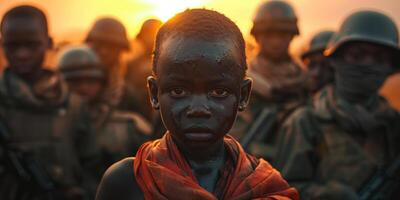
x=163, y=173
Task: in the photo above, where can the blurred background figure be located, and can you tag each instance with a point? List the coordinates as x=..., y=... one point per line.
x=278, y=82
x=108, y=38
x=2, y=60
x=319, y=70
x=46, y=149
x=118, y=134
x=139, y=68
x=84, y=72
x=346, y=145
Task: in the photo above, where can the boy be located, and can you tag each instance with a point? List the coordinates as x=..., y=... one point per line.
x=199, y=84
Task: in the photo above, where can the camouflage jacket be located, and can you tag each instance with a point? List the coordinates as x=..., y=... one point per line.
x=278, y=88
x=331, y=149
x=136, y=96
x=47, y=123
x=115, y=86
x=118, y=134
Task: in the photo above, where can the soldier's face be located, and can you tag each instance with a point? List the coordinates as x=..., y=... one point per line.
x=320, y=72
x=274, y=44
x=25, y=42
x=361, y=69
x=109, y=53
x=367, y=54
x=88, y=88
x=198, y=90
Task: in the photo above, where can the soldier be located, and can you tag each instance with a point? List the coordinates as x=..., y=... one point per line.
x=108, y=38
x=279, y=83
x=139, y=68
x=136, y=97
x=199, y=85
x=42, y=119
x=118, y=134
x=319, y=71
x=332, y=149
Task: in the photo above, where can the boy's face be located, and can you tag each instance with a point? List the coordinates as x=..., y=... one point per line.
x=25, y=42
x=198, y=89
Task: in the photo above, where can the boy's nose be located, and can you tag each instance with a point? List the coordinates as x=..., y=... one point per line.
x=198, y=108
x=200, y=112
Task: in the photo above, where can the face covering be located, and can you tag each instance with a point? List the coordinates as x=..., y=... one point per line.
x=357, y=83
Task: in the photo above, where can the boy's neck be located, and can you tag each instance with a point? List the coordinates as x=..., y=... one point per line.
x=207, y=169
x=204, y=155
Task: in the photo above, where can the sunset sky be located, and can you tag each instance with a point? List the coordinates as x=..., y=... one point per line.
x=74, y=17
x=71, y=19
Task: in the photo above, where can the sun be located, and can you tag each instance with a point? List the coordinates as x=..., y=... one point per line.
x=165, y=9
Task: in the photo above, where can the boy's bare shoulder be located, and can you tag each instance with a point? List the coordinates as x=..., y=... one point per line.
x=119, y=182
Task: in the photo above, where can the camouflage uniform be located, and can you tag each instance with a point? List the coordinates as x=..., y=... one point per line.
x=48, y=124
x=139, y=68
x=278, y=87
x=111, y=31
x=331, y=149
x=118, y=134
x=136, y=88
x=324, y=151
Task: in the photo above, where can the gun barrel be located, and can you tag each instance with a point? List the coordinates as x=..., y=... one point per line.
x=259, y=124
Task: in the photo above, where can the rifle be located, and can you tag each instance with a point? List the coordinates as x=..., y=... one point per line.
x=379, y=180
x=263, y=124
x=28, y=170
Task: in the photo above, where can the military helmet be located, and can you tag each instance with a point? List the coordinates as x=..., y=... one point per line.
x=80, y=61
x=365, y=26
x=109, y=30
x=149, y=26
x=318, y=43
x=275, y=16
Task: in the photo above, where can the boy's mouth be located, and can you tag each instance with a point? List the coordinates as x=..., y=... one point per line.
x=198, y=134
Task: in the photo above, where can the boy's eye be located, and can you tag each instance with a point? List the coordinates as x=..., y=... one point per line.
x=178, y=92
x=219, y=93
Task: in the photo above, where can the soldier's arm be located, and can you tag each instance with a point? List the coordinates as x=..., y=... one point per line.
x=84, y=141
x=297, y=159
x=295, y=156
x=119, y=182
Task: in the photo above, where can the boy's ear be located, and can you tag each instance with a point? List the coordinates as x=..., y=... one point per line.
x=245, y=92
x=153, y=92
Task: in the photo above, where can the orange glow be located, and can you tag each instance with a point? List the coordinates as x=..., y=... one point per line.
x=166, y=9
x=70, y=20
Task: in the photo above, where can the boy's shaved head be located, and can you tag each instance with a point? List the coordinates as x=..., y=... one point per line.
x=206, y=25
x=26, y=12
